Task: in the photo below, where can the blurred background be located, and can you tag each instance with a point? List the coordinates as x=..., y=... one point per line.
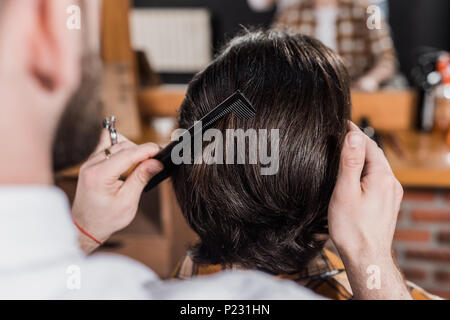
x=401, y=72
x=415, y=23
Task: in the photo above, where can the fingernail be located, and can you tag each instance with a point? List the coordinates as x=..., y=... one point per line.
x=354, y=140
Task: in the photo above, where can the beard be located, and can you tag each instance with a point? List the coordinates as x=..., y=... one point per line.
x=80, y=126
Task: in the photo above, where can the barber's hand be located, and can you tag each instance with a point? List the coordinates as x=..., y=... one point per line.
x=103, y=203
x=362, y=217
x=365, y=203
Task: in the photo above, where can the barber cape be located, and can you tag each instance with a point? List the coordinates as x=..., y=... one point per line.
x=325, y=275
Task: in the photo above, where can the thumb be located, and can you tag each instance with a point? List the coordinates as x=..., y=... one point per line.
x=351, y=164
x=139, y=178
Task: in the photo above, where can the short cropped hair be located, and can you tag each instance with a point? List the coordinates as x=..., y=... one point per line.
x=271, y=223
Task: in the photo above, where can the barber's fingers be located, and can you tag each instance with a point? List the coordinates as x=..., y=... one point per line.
x=376, y=162
x=360, y=157
x=120, y=162
x=105, y=141
x=138, y=179
x=100, y=156
x=375, y=159
x=351, y=165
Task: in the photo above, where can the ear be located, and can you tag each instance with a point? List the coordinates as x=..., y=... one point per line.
x=55, y=46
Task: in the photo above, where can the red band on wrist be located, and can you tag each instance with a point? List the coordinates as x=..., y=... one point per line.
x=87, y=233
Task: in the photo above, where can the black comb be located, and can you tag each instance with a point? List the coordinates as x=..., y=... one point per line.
x=236, y=103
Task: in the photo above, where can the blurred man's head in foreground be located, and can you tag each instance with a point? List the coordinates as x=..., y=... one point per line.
x=50, y=76
x=268, y=222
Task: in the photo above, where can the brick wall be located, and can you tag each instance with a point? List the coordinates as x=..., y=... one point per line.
x=422, y=239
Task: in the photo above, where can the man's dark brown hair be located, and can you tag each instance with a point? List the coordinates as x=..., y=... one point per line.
x=272, y=222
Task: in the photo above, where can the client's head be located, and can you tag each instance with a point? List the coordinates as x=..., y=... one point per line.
x=268, y=222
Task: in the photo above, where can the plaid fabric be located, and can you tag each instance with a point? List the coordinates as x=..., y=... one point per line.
x=361, y=48
x=324, y=275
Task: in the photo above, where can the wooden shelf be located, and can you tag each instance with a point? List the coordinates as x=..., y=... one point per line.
x=163, y=101
x=418, y=159
x=386, y=110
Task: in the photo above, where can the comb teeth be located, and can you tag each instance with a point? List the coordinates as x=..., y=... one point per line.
x=240, y=109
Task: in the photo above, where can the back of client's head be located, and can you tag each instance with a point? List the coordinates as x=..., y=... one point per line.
x=268, y=222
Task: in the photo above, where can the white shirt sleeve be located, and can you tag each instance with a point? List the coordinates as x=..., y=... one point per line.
x=40, y=259
x=231, y=285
